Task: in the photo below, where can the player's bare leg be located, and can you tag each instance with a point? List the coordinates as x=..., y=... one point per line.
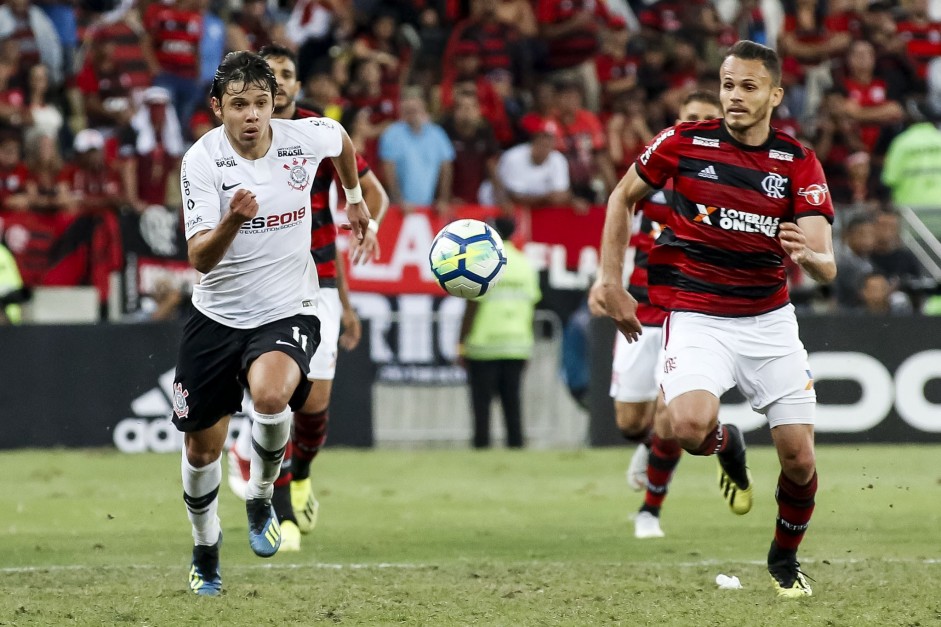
x=797, y=486
x=310, y=434
x=664, y=456
x=272, y=379
x=694, y=416
x=202, y=474
x=635, y=421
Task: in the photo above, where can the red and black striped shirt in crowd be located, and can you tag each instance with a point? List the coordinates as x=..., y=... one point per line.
x=651, y=215
x=323, y=236
x=720, y=254
x=577, y=45
x=922, y=42
x=176, y=34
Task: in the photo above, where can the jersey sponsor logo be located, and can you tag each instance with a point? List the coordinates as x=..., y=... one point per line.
x=291, y=151
x=226, y=162
x=317, y=121
x=644, y=158
x=815, y=194
x=774, y=185
x=737, y=220
x=180, y=406
x=298, y=176
x=709, y=172
x=708, y=142
x=780, y=155
x=274, y=222
x=193, y=222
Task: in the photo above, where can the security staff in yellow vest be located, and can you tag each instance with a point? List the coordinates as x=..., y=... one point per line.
x=497, y=340
x=11, y=288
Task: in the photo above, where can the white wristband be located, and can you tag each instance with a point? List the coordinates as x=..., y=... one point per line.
x=354, y=195
x=373, y=226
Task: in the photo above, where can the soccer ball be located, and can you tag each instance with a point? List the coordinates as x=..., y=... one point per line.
x=467, y=258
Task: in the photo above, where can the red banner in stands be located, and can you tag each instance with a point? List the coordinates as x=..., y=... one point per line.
x=405, y=239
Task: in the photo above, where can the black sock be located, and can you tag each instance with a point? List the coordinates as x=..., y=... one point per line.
x=732, y=456
x=281, y=500
x=650, y=509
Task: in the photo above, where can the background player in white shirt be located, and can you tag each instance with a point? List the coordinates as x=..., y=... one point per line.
x=247, y=218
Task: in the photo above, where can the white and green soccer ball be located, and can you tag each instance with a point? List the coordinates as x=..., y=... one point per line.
x=467, y=258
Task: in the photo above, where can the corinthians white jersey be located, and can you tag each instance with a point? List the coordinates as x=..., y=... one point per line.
x=267, y=273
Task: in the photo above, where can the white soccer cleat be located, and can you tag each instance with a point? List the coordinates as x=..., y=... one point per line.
x=637, y=469
x=646, y=525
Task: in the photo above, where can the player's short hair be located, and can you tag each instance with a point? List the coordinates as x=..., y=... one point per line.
x=247, y=68
x=277, y=51
x=703, y=96
x=751, y=51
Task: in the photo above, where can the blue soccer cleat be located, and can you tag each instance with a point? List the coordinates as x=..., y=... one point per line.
x=205, y=579
x=264, y=532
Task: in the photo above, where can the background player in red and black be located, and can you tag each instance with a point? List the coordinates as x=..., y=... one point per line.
x=745, y=196
x=294, y=500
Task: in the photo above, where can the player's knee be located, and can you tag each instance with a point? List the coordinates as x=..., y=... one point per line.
x=689, y=432
x=633, y=419
x=270, y=401
x=799, y=465
x=200, y=457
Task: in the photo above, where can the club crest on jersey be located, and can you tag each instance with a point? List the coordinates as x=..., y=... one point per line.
x=298, y=176
x=815, y=194
x=180, y=406
x=737, y=220
x=774, y=185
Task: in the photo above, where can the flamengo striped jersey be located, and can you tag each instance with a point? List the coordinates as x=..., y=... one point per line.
x=720, y=254
x=650, y=217
x=323, y=235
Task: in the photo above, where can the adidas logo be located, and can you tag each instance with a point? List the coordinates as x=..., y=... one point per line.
x=709, y=172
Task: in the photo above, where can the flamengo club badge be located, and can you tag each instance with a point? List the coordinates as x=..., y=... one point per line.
x=298, y=177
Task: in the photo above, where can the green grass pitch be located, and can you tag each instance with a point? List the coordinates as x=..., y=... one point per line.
x=471, y=538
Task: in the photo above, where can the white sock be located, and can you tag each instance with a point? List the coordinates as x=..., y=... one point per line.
x=243, y=443
x=201, y=495
x=270, y=434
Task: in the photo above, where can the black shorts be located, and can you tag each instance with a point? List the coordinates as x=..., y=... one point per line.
x=213, y=363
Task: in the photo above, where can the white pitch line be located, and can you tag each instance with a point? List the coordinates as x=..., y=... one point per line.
x=13, y=570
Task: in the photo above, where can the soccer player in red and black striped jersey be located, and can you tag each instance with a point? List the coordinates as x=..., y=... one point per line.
x=745, y=196
x=638, y=408
x=293, y=499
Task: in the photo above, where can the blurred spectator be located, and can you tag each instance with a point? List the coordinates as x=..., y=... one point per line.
x=322, y=94
x=496, y=341
x=151, y=150
x=432, y=42
x=627, y=130
x=466, y=75
x=890, y=256
x=12, y=101
x=169, y=301
x=46, y=191
x=498, y=43
x=749, y=22
x=11, y=288
x=616, y=70
x=212, y=47
x=36, y=39
x=535, y=174
x=860, y=192
x=520, y=15
x=684, y=67
x=13, y=172
x=912, y=165
x=812, y=35
x=869, y=101
x=853, y=259
x=176, y=28
x=417, y=158
x=45, y=112
x=570, y=30
x=878, y=297
x=310, y=29
x=837, y=137
x=475, y=148
x=544, y=108
x=582, y=141
x=382, y=45
x=252, y=28
x=921, y=35
x=94, y=184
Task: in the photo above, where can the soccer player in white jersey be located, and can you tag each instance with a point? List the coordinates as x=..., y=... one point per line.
x=246, y=211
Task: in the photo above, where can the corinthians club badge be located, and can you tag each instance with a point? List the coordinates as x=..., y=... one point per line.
x=298, y=177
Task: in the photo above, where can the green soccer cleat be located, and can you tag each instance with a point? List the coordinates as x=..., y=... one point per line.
x=305, y=505
x=739, y=499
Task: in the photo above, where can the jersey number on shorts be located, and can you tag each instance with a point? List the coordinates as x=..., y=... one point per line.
x=300, y=338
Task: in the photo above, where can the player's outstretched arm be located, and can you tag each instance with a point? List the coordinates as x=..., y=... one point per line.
x=809, y=243
x=206, y=248
x=356, y=210
x=612, y=298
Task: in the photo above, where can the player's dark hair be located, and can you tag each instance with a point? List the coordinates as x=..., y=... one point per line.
x=277, y=51
x=706, y=97
x=245, y=68
x=751, y=51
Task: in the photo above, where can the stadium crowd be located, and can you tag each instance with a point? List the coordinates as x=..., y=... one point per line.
x=511, y=103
